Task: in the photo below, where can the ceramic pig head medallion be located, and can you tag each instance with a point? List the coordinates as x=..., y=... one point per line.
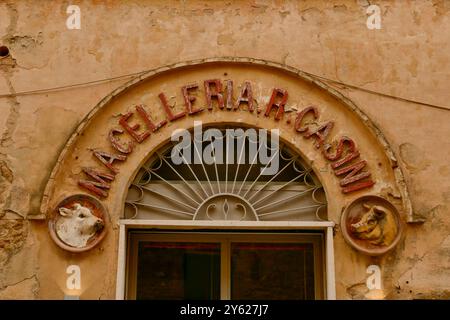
x=372, y=225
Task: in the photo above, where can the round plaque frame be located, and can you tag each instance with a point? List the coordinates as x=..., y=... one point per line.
x=96, y=208
x=354, y=211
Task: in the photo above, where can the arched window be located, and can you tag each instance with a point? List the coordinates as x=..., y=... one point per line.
x=241, y=175
x=230, y=177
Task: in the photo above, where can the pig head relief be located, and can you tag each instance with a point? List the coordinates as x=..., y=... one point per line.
x=77, y=225
x=377, y=225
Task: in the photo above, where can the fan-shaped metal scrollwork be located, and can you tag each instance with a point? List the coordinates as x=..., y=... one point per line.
x=224, y=191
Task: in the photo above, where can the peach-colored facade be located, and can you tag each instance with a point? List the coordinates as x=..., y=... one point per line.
x=46, y=138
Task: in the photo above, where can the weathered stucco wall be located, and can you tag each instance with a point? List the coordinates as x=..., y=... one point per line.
x=408, y=57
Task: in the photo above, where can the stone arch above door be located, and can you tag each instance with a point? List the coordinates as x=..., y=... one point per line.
x=302, y=108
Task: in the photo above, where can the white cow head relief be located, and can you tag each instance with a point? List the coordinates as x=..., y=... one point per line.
x=77, y=225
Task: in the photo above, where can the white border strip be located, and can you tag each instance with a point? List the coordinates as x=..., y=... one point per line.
x=331, y=285
x=121, y=263
x=226, y=224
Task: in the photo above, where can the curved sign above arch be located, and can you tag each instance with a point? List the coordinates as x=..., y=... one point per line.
x=345, y=149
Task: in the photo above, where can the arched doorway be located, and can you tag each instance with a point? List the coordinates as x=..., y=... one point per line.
x=125, y=137
x=232, y=182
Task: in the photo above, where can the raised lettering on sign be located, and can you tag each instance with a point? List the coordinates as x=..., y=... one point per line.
x=213, y=90
x=343, y=154
x=99, y=184
x=280, y=94
x=115, y=143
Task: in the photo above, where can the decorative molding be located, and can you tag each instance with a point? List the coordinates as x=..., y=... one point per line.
x=400, y=181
